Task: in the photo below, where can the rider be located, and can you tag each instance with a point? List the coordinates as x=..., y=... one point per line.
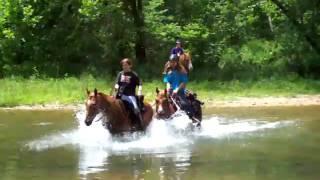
x=174, y=53
x=177, y=50
x=176, y=80
x=125, y=87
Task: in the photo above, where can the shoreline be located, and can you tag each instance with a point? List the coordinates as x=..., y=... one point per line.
x=299, y=100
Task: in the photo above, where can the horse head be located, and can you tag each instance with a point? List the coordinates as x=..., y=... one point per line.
x=164, y=107
x=92, y=106
x=95, y=104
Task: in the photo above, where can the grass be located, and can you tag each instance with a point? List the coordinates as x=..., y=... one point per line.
x=69, y=90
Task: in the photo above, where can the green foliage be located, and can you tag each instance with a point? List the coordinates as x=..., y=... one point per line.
x=259, y=52
x=69, y=90
x=227, y=39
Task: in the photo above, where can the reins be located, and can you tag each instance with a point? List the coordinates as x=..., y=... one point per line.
x=179, y=108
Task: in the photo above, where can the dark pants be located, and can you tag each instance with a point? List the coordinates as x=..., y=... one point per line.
x=134, y=116
x=185, y=105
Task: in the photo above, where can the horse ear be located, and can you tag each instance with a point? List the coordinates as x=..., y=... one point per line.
x=88, y=92
x=157, y=91
x=95, y=91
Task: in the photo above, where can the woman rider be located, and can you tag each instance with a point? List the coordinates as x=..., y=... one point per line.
x=125, y=87
x=176, y=80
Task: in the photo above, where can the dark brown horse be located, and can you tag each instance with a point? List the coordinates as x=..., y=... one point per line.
x=117, y=117
x=166, y=106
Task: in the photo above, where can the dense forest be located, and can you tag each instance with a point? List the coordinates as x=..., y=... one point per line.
x=228, y=39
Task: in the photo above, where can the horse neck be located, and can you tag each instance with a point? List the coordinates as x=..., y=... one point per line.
x=104, y=103
x=112, y=108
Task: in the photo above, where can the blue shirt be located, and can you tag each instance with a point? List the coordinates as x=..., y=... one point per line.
x=175, y=78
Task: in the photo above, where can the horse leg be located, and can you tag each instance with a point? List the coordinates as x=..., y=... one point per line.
x=196, y=105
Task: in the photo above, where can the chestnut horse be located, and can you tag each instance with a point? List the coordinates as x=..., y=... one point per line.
x=185, y=61
x=164, y=106
x=117, y=118
x=167, y=106
x=185, y=64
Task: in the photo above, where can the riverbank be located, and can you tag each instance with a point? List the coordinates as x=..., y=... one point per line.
x=299, y=100
x=70, y=92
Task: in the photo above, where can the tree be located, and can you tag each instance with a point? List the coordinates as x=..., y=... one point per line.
x=134, y=8
x=310, y=38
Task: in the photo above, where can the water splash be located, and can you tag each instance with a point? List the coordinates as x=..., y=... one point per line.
x=172, y=139
x=217, y=127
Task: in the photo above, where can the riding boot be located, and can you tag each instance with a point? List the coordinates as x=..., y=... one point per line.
x=139, y=121
x=140, y=103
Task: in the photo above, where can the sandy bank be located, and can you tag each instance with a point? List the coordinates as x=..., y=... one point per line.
x=300, y=100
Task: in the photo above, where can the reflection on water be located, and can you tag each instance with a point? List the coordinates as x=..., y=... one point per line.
x=164, y=143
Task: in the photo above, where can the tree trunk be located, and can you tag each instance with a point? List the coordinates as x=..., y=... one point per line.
x=138, y=18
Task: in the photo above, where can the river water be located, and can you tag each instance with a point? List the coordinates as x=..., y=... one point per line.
x=233, y=143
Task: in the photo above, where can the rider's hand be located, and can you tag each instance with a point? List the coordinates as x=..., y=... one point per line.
x=139, y=93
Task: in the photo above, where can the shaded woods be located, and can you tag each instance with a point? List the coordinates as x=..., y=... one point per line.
x=228, y=39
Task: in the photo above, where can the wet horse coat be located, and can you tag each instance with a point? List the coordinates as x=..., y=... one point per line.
x=117, y=120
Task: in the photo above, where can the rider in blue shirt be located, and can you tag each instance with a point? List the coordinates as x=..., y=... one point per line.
x=176, y=80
